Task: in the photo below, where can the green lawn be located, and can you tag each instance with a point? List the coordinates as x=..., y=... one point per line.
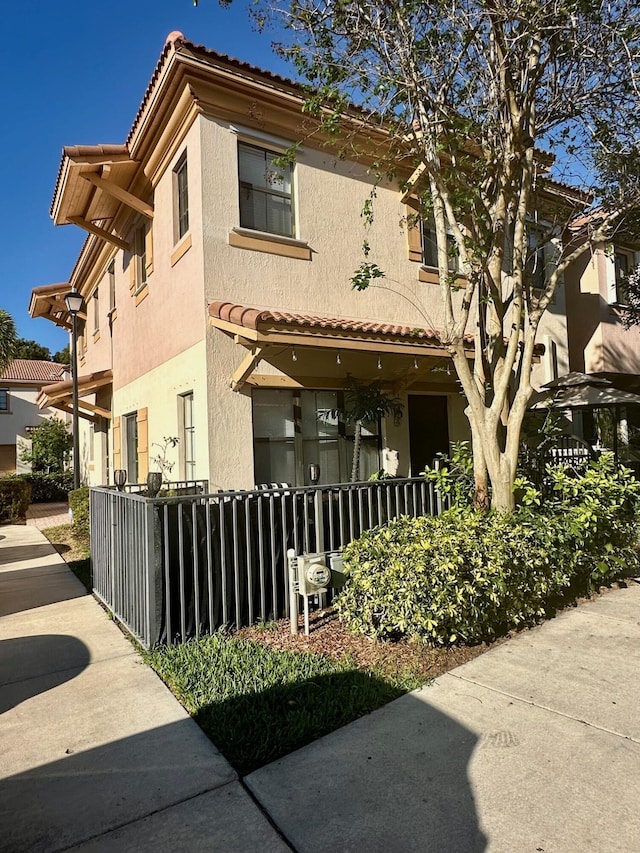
x=74, y=549
x=257, y=704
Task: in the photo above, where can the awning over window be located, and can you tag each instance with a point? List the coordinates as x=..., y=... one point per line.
x=92, y=183
x=48, y=302
x=59, y=395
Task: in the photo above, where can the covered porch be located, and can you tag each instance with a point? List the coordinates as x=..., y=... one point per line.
x=295, y=368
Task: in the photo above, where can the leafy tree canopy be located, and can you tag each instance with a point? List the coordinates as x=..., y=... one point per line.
x=458, y=103
x=51, y=442
x=31, y=349
x=63, y=356
x=8, y=338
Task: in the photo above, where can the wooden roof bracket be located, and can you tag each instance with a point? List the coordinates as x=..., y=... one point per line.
x=100, y=232
x=246, y=367
x=119, y=193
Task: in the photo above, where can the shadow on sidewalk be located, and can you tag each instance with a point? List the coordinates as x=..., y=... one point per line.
x=394, y=780
x=33, y=665
x=26, y=589
x=88, y=792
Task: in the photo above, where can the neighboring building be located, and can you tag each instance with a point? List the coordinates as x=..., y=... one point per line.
x=219, y=308
x=600, y=345
x=20, y=386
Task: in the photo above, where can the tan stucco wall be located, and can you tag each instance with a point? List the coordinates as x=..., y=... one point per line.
x=598, y=342
x=171, y=318
x=158, y=391
x=329, y=195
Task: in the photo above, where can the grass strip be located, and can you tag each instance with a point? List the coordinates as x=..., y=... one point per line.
x=257, y=704
x=74, y=549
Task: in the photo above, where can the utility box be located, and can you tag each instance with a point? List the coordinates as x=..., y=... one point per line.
x=314, y=575
x=311, y=574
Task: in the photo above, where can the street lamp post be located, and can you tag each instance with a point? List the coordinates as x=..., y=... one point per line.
x=73, y=301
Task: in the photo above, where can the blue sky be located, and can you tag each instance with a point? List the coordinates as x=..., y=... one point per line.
x=74, y=74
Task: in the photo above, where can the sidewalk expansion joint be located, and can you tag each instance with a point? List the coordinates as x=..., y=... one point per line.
x=135, y=820
x=267, y=816
x=546, y=708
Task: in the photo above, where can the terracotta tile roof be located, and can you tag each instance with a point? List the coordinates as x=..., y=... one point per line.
x=175, y=40
x=32, y=370
x=254, y=318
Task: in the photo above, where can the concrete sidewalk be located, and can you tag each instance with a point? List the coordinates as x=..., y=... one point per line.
x=95, y=753
x=534, y=746
x=48, y=515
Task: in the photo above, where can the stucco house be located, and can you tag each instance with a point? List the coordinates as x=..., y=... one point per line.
x=218, y=303
x=600, y=345
x=20, y=387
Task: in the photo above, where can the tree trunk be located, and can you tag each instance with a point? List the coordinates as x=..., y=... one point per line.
x=357, y=437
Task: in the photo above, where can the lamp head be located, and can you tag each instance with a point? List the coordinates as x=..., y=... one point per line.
x=73, y=300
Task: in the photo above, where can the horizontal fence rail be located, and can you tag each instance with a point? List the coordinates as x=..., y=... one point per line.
x=176, y=567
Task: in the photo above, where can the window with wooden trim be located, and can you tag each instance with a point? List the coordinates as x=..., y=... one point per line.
x=536, y=260
x=265, y=191
x=95, y=303
x=188, y=430
x=181, y=198
x=111, y=271
x=130, y=446
x=142, y=259
x=623, y=263
x=430, y=248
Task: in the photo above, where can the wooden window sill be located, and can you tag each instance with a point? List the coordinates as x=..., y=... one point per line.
x=430, y=275
x=273, y=244
x=142, y=294
x=181, y=249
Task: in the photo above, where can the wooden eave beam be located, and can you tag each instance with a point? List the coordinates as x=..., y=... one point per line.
x=99, y=232
x=234, y=330
x=374, y=345
x=67, y=401
x=119, y=193
x=413, y=182
x=68, y=408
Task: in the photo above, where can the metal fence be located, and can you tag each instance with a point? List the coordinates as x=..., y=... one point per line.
x=176, y=567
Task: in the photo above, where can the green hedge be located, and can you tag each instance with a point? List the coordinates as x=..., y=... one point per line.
x=471, y=576
x=15, y=497
x=47, y=488
x=79, y=503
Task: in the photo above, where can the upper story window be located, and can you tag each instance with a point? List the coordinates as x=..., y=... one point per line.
x=265, y=192
x=111, y=271
x=535, y=266
x=430, y=248
x=4, y=400
x=140, y=252
x=95, y=301
x=623, y=264
x=181, y=198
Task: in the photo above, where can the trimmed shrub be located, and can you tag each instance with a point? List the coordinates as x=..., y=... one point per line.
x=79, y=503
x=471, y=576
x=15, y=497
x=47, y=488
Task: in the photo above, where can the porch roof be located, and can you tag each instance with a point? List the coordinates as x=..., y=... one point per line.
x=59, y=395
x=48, y=301
x=267, y=324
x=267, y=333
